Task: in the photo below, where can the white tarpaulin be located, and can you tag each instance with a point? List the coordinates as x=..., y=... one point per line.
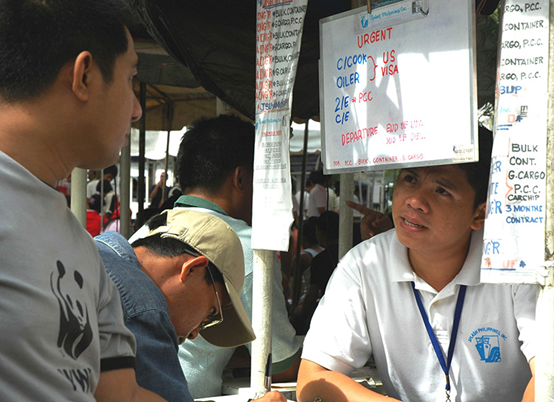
x=314, y=137
x=156, y=143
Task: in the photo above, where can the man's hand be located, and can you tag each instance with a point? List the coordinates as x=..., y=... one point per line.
x=373, y=222
x=273, y=396
x=162, y=180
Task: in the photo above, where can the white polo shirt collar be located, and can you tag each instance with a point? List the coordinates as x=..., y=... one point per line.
x=401, y=270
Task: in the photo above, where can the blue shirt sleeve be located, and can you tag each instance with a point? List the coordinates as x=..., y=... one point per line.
x=158, y=367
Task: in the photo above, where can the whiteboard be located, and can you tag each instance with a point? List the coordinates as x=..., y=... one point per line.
x=398, y=86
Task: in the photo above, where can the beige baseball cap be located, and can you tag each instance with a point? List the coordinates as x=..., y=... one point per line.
x=211, y=237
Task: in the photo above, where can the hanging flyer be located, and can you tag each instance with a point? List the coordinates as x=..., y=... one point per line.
x=514, y=238
x=397, y=86
x=278, y=38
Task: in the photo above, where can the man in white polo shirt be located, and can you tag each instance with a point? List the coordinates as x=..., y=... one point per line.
x=412, y=298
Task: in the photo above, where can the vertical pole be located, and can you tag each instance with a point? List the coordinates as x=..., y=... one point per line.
x=125, y=185
x=169, y=125
x=262, y=317
x=345, y=214
x=360, y=189
x=142, y=150
x=544, y=364
x=373, y=191
x=79, y=195
x=296, y=273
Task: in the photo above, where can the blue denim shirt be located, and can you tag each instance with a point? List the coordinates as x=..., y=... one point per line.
x=147, y=316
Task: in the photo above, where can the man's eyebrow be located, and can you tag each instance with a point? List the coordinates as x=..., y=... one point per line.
x=444, y=182
x=441, y=181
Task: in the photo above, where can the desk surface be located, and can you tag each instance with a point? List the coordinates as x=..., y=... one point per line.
x=366, y=376
x=228, y=398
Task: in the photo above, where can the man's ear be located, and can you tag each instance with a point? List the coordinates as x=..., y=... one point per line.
x=193, y=266
x=479, y=217
x=239, y=177
x=82, y=68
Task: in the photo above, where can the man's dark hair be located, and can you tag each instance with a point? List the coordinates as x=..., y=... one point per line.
x=111, y=170
x=328, y=223
x=318, y=177
x=38, y=37
x=308, y=229
x=168, y=247
x=211, y=149
x=477, y=173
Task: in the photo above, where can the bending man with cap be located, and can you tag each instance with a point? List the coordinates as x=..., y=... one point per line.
x=183, y=278
x=215, y=165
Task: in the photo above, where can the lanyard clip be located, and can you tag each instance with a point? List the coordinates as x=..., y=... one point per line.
x=447, y=388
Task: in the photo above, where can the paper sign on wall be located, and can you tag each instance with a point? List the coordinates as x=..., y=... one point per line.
x=397, y=86
x=515, y=224
x=279, y=34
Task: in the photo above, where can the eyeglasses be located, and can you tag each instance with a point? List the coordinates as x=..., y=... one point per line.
x=218, y=319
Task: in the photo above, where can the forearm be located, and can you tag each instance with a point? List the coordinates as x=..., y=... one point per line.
x=315, y=381
x=529, y=395
x=121, y=385
x=154, y=191
x=291, y=373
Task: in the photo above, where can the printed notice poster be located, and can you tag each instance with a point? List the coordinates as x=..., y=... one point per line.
x=397, y=86
x=513, y=246
x=279, y=34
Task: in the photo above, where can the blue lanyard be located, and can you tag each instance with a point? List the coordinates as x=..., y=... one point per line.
x=457, y=314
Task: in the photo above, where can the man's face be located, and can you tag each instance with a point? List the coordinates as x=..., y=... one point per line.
x=433, y=210
x=195, y=305
x=115, y=107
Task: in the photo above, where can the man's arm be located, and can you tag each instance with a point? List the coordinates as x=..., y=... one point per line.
x=121, y=386
x=529, y=395
x=306, y=308
x=157, y=364
x=316, y=381
x=290, y=374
